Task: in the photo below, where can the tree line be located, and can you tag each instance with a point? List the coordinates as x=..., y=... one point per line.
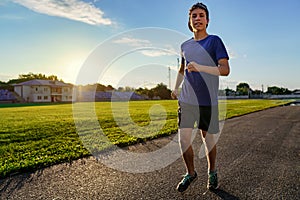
x=26, y=77
x=245, y=89
x=160, y=90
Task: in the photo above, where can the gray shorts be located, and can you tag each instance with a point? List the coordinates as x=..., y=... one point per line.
x=205, y=117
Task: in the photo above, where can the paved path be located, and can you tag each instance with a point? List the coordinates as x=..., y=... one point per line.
x=258, y=158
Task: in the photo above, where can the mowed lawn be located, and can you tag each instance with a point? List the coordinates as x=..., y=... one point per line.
x=37, y=136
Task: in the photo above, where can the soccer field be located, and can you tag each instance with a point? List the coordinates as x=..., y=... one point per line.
x=40, y=135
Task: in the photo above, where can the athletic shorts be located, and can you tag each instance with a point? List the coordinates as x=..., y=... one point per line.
x=205, y=118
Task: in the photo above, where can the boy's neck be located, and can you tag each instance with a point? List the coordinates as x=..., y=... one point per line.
x=200, y=35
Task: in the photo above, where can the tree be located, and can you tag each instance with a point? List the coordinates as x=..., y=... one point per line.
x=32, y=76
x=100, y=87
x=229, y=92
x=257, y=92
x=243, y=89
x=110, y=88
x=278, y=91
x=162, y=91
x=145, y=92
x=5, y=86
x=126, y=89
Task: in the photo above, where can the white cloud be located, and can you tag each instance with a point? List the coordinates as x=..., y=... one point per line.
x=156, y=53
x=149, y=49
x=133, y=42
x=71, y=9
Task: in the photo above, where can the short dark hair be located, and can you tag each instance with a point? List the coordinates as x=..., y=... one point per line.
x=195, y=6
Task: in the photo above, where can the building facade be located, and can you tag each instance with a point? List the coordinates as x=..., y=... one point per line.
x=44, y=91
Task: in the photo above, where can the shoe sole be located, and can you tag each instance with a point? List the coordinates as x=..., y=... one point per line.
x=213, y=188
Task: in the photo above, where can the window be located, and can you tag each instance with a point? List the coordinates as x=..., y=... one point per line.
x=45, y=97
x=39, y=97
x=45, y=89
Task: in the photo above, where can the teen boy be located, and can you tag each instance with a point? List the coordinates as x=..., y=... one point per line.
x=204, y=59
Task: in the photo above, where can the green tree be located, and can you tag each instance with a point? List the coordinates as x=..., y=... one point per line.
x=257, y=92
x=5, y=86
x=145, y=92
x=100, y=87
x=162, y=91
x=229, y=92
x=32, y=76
x=109, y=88
x=278, y=91
x=243, y=89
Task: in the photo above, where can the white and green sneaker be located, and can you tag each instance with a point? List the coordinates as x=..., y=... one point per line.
x=212, y=182
x=186, y=181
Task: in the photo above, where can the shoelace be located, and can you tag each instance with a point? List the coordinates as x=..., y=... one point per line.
x=186, y=178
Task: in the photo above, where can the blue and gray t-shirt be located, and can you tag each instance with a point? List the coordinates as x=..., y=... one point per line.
x=202, y=88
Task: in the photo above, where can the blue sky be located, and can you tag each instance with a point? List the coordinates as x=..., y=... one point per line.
x=58, y=36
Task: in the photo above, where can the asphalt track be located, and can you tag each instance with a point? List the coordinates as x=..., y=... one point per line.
x=258, y=158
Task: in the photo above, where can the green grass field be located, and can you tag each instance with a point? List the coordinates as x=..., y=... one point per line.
x=37, y=136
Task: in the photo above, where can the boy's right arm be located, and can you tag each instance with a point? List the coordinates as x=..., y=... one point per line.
x=179, y=79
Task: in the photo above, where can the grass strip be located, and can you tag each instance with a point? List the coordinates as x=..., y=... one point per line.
x=35, y=136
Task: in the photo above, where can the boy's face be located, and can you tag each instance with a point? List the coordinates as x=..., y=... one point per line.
x=198, y=19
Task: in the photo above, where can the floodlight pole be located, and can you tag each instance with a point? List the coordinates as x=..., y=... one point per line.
x=169, y=69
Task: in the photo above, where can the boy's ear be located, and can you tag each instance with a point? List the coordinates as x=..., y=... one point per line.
x=189, y=25
x=207, y=22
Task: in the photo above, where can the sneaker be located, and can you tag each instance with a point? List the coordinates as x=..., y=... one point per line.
x=185, y=182
x=212, y=182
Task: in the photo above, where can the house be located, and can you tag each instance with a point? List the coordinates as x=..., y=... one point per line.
x=44, y=91
x=6, y=96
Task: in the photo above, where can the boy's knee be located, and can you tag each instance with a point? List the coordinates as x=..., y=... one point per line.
x=185, y=143
x=210, y=140
x=185, y=138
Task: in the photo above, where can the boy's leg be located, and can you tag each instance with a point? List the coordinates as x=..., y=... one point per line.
x=211, y=154
x=209, y=126
x=211, y=150
x=185, y=141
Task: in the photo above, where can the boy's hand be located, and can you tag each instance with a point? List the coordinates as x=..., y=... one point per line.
x=193, y=67
x=174, y=94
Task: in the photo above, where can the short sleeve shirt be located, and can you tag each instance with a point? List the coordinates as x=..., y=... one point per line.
x=200, y=88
